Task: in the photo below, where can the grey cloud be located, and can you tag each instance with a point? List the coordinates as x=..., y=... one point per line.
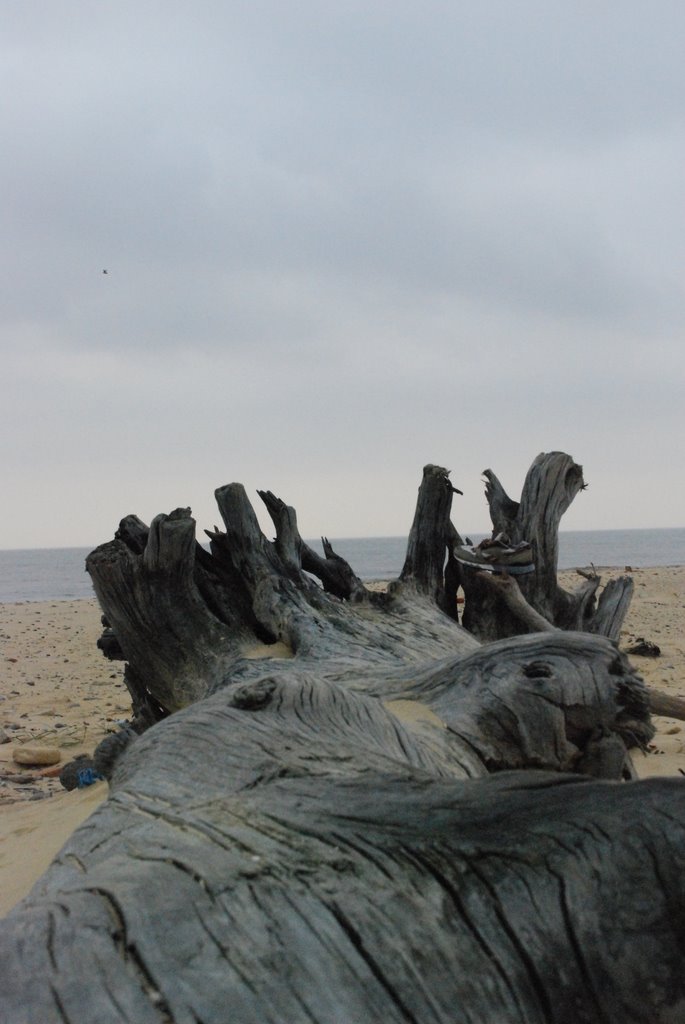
x=333, y=221
x=200, y=157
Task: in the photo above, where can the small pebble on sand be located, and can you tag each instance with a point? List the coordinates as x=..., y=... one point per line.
x=29, y=753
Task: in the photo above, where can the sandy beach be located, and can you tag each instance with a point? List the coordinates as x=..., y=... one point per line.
x=57, y=690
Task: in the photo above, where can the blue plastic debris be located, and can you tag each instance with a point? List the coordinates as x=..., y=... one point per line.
x=87, y=776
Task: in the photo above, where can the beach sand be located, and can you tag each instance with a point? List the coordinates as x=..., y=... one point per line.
x=57, y=689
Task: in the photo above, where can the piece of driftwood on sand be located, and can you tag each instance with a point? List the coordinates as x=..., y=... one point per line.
x=340, y=806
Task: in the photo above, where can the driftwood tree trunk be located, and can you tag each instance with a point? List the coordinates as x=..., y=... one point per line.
x=330, y=820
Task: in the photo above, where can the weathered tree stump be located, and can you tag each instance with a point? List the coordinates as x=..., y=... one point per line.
x=348, y=809
x=551, y=484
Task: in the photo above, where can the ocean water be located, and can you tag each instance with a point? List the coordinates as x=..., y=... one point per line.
x=54, y=574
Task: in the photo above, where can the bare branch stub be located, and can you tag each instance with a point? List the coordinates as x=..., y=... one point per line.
x=430, y=534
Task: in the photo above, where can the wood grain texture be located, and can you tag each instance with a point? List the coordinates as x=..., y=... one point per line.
x=307, y=861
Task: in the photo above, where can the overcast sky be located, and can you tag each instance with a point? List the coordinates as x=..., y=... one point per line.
x=342, y=240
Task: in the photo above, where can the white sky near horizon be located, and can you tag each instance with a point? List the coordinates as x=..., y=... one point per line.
x=343, y=240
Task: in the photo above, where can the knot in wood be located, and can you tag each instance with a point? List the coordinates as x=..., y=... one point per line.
x=537, y=670
x=254, y=696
